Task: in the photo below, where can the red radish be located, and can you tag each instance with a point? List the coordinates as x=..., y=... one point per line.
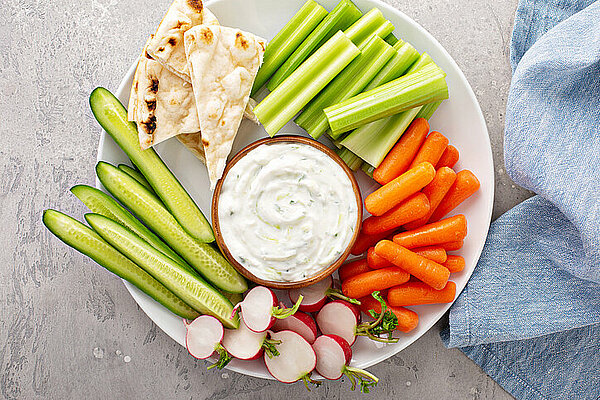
x=315, y=295
x=333, y=356
x=244, y=344
x=259, y=309
x=203, y=338
x=301, y=323
x=296, y=359
x=341, y=318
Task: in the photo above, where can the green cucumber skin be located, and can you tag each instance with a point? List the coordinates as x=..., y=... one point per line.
x=201, y=256
x=86, y=241
x=112, y=116
x=190, y=288
x=135, y=174
x=100, y=203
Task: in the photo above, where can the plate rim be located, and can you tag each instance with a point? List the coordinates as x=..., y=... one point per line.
x=137, y=295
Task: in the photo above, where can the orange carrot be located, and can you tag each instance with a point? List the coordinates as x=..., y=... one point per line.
x=455, y=263
x=366, y=283
x=352, y=268
x=464, y=186
x=436, y=254
x=364, y=241
x=393, y=193
x=399, y=158
x=415, y=293
x=407, y=319
x=430, y=272
x=415, y=207
x=435, y=192
x=447, y=230
x=449, y=157
x=452, y=246
x=431, y=150
x=433, y=253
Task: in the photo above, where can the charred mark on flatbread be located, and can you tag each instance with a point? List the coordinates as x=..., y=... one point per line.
x=150, y=105
x=160, y=49
x=172, y=41
x=240, y=41
x=153, y=85
x=207, y=35
x=262, y=45
x=204, y=142
x=149, y=126
x=196, y=5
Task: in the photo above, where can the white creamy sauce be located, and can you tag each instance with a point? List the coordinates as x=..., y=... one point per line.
x=287, y=211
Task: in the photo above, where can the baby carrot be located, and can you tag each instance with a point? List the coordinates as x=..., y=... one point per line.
x=415, y=207
x=431, y=150
x=364, y=241
x=389, y=195
x=465, y=185
x=449, y=157
x=432, y=253
x=366, y=283
x=407, y=319
x=452, y=246
x=352, y=268
x=455, y=263
x=447, y=230
x=430, y=272
x=435, y=192
x=415, y=293
x=399, y=158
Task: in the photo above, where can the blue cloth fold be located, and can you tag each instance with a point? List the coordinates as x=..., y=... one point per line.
x=530, y=315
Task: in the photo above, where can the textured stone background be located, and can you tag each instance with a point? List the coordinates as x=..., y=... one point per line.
x=69, y=329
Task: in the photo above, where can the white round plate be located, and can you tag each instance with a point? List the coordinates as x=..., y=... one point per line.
x=459, y=118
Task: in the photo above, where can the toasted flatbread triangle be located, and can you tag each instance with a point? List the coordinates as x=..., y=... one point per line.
x=167, y=45
x=161, y=103
x=223, y=63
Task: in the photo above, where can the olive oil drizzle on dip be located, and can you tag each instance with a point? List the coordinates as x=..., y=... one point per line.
x=287, y=211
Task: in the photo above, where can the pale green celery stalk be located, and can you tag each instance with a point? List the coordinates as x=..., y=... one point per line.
x=428, y=110
x=367, y=169
x=375, y=53
x=288, y=39
x=369, y=24
x=373, y=141
x=424, y=86
x=391, y=39
x=352, y=160
x=305, y=83
x=424, y=59
x=405, y=56
x=340, y=18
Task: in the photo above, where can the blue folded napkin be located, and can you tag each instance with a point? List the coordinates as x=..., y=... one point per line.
x=530, y=315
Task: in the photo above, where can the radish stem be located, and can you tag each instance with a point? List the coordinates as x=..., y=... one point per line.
x=365, y=378
x=385, y=323
x=282, y=313
x=269, y=347
x=331, y=292
x=223, y=360
x=308, y=380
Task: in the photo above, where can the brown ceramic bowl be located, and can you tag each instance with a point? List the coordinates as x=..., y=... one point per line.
x=215, y=213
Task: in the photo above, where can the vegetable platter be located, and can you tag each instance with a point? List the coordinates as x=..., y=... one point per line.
x=328, y=114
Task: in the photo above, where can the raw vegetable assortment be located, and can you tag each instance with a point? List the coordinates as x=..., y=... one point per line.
x=341, y=73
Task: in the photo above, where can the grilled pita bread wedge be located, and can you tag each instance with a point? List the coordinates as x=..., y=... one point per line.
x=167, y=46
x=193, y=142
x=161, y=103
x=223, y=63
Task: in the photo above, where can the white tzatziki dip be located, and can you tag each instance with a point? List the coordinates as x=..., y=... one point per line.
x=287, y=211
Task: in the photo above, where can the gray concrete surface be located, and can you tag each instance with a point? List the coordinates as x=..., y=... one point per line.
x=69, y=329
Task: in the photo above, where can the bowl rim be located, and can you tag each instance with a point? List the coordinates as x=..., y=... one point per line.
x=217, y=228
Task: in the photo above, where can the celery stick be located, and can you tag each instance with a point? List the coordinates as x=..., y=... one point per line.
x=428, y=110
x=423, y=60
x=352, y=160
x=367, y=169
x=405, y=56
x=369, y=24
x=288, y=39
x=340, y=18
x=392, y=40
x=374, y=55
x=373, y=141
x=305, y=83
x=424, y=86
